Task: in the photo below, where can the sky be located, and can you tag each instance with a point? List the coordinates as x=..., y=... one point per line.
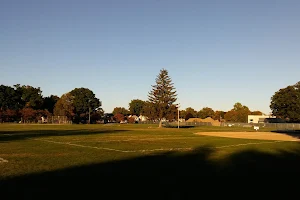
x=216, y=52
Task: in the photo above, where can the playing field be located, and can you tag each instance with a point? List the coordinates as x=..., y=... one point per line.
x=52, y=159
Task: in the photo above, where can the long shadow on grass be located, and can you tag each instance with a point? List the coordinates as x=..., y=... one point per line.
x=6, y=136
x=164, y=176
x=293, y=133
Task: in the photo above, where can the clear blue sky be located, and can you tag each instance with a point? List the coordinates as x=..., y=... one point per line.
x=217, y=52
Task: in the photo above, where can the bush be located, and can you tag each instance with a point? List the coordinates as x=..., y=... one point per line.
x=131, y=120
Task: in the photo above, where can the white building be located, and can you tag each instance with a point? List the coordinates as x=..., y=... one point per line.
x=136, y=118
x=143, y=118
x=258, y=118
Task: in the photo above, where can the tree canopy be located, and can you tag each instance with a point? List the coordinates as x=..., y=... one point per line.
x=285, y=103
x=191, y=111
x=219, y=115
x=84, y=102
x=26, y=103
x=257, y=112
x=64, y=106
x=9, y=98
x=31, y=96
x=136, y=106
x=239, y=113
x=120, y=110
x=49, y=103
x=206, y=112
x=162, y=96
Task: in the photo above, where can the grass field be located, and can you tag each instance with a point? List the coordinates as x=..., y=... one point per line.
x=74, y=160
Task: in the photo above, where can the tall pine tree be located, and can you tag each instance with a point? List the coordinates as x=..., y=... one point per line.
x=162, y=96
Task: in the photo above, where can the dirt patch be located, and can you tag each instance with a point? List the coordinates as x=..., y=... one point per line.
x=207, y=120
x=254, y=135
x=3, y=160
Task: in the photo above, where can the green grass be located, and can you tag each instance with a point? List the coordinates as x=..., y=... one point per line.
x=47, y=158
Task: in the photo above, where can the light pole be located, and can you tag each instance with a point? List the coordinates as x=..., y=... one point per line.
x=178, y=113
x=89, y=115
x=89, y=112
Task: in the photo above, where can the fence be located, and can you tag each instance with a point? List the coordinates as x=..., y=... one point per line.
x=149, y=122
x=58, y=120
x=188, y=124
x=278, y=126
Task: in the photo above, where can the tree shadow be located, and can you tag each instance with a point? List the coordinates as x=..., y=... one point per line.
x=6, y=136
x=170, y=175
x=293, y=133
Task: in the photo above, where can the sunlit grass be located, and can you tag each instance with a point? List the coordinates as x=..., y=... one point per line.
x=40, y=148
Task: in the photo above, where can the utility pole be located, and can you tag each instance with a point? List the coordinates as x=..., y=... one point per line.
x=89, y=114
x=89, y=111
x=178, y=114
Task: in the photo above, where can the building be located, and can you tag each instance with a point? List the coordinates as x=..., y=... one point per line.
x=136, y=118
x=258, y=118
x=143, y=118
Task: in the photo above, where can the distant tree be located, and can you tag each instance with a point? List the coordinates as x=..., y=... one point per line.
x=206, y=112
x=97, y=115
x=285, y=103
x=8, y=98
x=188, y=116
x=19, y=100
x=239, y=113
x=120, y=110
x=119, y=117
x=1, y=116
x=173, y=115
x=182, y=114
x=84, y=102
x=150, y=110
x=163, y=95
x=64, y=106
x=49, y=103
x=192, y=111
x=136, y=106
x=219, y=115
x=10, y=115
x=42, y=113
x=256, y=113
x=231, y=116
x=28, y=115
x=31, y=96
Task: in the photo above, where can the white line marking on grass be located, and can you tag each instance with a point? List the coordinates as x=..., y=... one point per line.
x=3, y=160
x=85, y=146
x=137, y=139
x=171, y=149
x=246, y=144
x=153, y=150
x=110, y=149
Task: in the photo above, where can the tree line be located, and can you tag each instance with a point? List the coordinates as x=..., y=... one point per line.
x=160, y=105
x=239, y=112
x=285, y=104
x=26, y=104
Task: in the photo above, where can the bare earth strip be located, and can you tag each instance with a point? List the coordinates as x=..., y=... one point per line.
x=3, y=160
x=253, y=135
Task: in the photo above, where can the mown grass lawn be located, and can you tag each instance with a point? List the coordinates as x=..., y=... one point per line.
x=54, y=159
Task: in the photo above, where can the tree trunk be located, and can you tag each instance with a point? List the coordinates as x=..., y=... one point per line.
x=160, y=124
